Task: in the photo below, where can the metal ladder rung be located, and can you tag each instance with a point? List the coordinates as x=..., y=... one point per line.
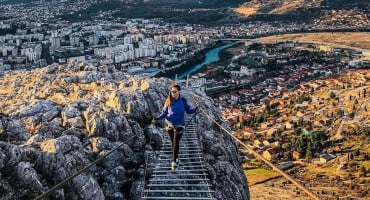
x=182, y=145
x=182, y=162
x=167, y=175
x=179, y=185
x=183, y=142
x=183, y=154
x=181, y=159
x=189, y=139
x=181, y=191
x=181, y=167
x=180, y=179
x=182, y=170
x=187, y=151
x=198, y=162
x=180, y=198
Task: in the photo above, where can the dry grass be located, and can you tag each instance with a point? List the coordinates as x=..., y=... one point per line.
x=91, y=87
x=358, y=40
x=256, y=176
x=330, y=170
x=58, y=98
x=288, y=5
x=366, y=164
x=275, y=190
x=246, y=11
x=73, y=96
x=5, y=91
x=367, y=149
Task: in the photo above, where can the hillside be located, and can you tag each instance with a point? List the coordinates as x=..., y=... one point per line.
x=301, y=10
x=56, y=120
x=329, y=117
x=216, y=12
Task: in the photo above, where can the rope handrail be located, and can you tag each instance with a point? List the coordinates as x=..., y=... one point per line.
x=61, y=184
x=299, y=185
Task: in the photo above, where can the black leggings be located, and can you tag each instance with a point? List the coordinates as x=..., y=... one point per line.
x=175, y=135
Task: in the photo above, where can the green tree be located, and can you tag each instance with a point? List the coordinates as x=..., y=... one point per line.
x=308, y=152
x=332, y=95
x=312, y=90
x=362, y=171
x=352, y=115
x=357, y=152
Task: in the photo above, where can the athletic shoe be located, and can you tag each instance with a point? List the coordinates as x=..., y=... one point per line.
x=173, y=165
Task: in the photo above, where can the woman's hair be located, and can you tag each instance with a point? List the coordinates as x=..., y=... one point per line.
x=177, y=87
x=168, y=99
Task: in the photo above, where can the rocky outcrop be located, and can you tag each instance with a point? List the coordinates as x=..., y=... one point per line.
x=56, y=120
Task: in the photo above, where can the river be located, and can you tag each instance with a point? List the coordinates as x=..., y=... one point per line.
x=211, y=56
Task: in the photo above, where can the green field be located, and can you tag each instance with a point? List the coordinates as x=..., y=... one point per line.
x=259, y=175
x=258, y=171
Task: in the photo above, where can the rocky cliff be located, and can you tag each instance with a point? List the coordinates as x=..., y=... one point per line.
x=58, y=119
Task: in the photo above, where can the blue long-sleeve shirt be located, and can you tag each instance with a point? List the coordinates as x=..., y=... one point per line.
x=174, y=113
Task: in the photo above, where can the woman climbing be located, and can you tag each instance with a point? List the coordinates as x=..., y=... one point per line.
x=174, y=113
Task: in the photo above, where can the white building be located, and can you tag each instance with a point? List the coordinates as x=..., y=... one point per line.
x=32, y=53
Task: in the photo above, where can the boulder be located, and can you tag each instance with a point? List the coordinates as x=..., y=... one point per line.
x=28, y=178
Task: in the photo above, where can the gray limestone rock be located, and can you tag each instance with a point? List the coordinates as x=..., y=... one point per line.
x=2, y=160
x=13, y=155
x=114, y=182
x=13, y=131
x=61, y=157
x=86, y=187
x=154, y=137
x=28, y=177
x=35, y=107
x=95, y=126
x=100, y=144
x=65, y=119
x=76, y=122
x=51, y=114
x=137, y=189
x=89, y=76
x=129, y=157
